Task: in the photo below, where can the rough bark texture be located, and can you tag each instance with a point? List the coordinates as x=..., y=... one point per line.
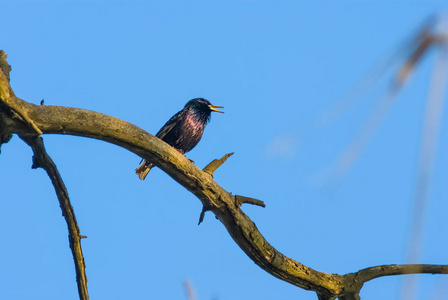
x=42, y=160
x=29, y=121
x=13, y=122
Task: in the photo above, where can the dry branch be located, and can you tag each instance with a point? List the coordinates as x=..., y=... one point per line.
x=11, y=114
x=202, y=215
x=368, y=274
x=79, y=122
x=41, y=159
x=239, y=200
x=215, y=164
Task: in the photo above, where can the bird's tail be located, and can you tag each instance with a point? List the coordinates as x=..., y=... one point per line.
x=143, y=170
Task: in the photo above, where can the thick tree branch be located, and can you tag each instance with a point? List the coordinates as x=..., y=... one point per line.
x=325, y=297
x=64, y=120
x=42, y=160
x=4, y=136
x=73, y=121
x=5, y=68
x=8, y=97
x=80, y=122
x=13, y=115
x=350, y=296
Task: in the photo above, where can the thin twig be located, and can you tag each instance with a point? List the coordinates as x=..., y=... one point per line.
x=64, y=120
x=367, y=274
x=42, y=160
x=191, y=295
x=239, y=200
x=426, y=161
x=215, y=164
x=201, y=217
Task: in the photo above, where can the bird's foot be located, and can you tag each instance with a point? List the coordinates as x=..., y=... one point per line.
x=182, y=152
x=179, y=150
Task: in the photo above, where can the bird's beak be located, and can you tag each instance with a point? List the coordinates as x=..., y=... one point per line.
x=214, y=108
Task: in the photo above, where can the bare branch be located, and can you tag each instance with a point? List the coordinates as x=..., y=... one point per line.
x=367, y=274
x=325, y=297
x=225, y=206
x=7, y=95
x=215, y=164
x=4, y=136
x=80, y=122
x=350, y=296
x=241, y=199
x=210, y=169
x=202, y=215
x=4, y=66
x=42, y=160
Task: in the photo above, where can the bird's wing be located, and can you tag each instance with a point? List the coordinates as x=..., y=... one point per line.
x=169, y=125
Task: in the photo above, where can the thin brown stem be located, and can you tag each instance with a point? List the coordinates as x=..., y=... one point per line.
x=202, y=215
x=225, y=206
x=241, y=199
x=367, y=274
x=215, y=164
x=41, y=159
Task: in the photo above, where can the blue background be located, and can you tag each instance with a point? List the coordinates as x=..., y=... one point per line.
x=275, y=66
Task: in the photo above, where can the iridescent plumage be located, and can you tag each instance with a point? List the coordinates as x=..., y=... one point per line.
x=184, y=130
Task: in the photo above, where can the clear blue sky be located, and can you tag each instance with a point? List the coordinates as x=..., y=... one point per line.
x=274, y=66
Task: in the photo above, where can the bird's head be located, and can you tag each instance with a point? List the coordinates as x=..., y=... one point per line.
x=202, y=105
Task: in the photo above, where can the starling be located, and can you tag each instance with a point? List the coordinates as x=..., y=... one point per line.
x=184, y=130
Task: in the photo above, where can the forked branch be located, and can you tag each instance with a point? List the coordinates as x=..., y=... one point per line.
x=41, y=159
x=13, y=115
x=73, y=121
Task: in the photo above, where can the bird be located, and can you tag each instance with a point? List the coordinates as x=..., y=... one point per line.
x=184, y=130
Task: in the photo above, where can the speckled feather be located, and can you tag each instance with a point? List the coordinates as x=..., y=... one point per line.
x=183, y=131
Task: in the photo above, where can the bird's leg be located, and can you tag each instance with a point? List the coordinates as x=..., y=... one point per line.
x=182, y=152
